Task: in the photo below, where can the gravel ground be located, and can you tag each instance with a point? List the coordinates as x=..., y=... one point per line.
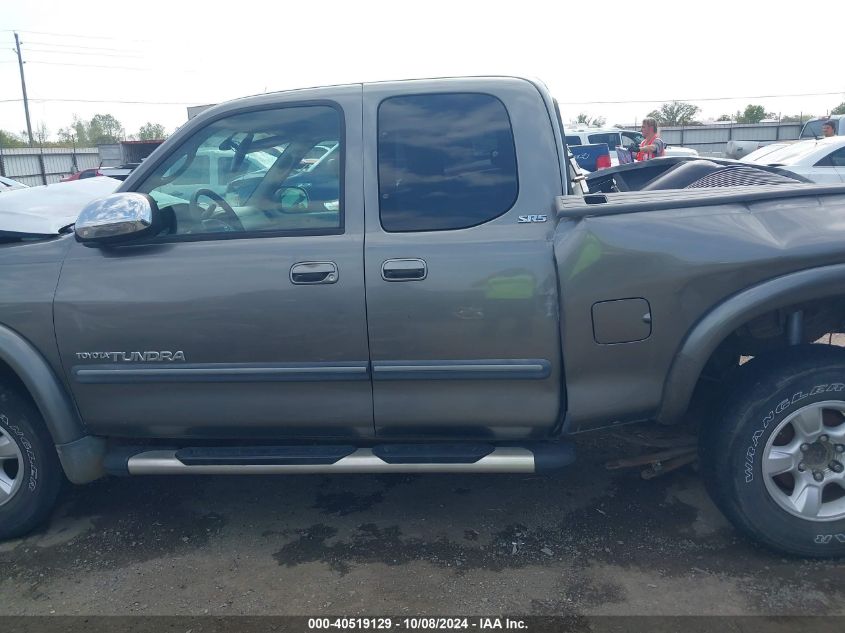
x=585, y=541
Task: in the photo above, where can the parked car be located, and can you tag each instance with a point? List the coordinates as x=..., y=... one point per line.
x=82, y=174
x=617, y=138
x=119, y=172
x=459, y=307
x=217, y=168
x=7, y=184
x=812, y=129
x=821, y=160
x=758, y=154
x=34, y=212
x=316, y=173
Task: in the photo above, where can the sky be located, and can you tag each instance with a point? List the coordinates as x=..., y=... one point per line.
x=618, y=60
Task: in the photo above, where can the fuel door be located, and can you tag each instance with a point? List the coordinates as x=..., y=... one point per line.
x=621, y=321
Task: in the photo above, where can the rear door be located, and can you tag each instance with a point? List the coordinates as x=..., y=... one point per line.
x=460, y=180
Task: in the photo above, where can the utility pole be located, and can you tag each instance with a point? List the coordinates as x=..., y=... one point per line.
x=23, y=87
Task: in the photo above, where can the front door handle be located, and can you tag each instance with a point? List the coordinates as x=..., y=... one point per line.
x=303, y=273
x=404, y=270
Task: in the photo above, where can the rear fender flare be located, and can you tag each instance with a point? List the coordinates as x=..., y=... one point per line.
x=706, y=335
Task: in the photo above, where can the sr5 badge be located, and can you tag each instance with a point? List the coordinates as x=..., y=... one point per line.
x=523, y=219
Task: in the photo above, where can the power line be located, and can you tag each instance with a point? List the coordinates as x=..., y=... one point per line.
x=43, y=63
x=81, y=46
x=43, y=50
x=73, y=35
x=625, y=101
x=190, y=71
x=172, y=103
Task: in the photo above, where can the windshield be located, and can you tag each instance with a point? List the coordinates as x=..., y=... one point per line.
x=813, y=129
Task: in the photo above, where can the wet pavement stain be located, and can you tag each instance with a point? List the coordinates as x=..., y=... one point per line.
x=390, y=480
x=513, y=547
x=573, y=541
x=136, y=524
x=636, y=524
x=580, y=595
x=343, y=503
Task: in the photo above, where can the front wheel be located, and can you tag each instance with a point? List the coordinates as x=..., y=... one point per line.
x=30, y=473
x=774, y=461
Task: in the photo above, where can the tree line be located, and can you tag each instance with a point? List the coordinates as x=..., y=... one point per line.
x=677, y=113
x=101, y=129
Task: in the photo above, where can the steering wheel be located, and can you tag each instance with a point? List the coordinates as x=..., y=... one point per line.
x=229, y=218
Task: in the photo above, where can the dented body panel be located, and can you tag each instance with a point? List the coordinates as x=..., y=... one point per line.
x=686, y=263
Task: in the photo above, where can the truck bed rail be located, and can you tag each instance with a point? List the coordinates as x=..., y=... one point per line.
x=600, y=204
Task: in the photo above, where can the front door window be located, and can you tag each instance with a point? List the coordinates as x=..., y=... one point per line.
x=267, y=171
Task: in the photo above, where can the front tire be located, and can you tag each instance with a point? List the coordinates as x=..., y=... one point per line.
x=773, y=461
x=30, y=473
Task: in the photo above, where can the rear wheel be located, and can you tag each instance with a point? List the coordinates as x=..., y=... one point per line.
x=774, y=461
x=30, y=473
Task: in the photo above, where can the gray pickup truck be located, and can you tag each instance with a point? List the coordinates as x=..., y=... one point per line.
x=435, y=294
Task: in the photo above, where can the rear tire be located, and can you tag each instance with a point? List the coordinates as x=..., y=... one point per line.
x=773, y=460
x=30, y=473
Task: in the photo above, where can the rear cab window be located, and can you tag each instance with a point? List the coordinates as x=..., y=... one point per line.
x=445, y=161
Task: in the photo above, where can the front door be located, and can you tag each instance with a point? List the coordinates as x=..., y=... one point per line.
x=245, y=317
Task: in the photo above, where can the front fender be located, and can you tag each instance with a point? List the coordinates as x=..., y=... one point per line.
x=80, y=454
x=706, y=335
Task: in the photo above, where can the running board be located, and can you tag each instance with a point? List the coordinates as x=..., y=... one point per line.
x=398, y=458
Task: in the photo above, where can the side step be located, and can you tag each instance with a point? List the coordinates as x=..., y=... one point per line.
x=384, y=458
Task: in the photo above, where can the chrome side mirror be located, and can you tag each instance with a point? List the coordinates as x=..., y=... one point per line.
x=117, y=218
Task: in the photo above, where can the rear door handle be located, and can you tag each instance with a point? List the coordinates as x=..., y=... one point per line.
x=404, y=270
x=304, y=273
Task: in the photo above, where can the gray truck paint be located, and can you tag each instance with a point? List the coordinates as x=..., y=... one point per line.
x=299, y=351
x=705, y=336
x=686, y=263
x=431, y=321
x=441, y=356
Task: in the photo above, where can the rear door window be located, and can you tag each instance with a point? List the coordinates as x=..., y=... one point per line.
x=834, y=159
x=573, y=140
x=445, y=161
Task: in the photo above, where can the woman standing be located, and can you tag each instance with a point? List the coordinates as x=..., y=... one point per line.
x=652, y=145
